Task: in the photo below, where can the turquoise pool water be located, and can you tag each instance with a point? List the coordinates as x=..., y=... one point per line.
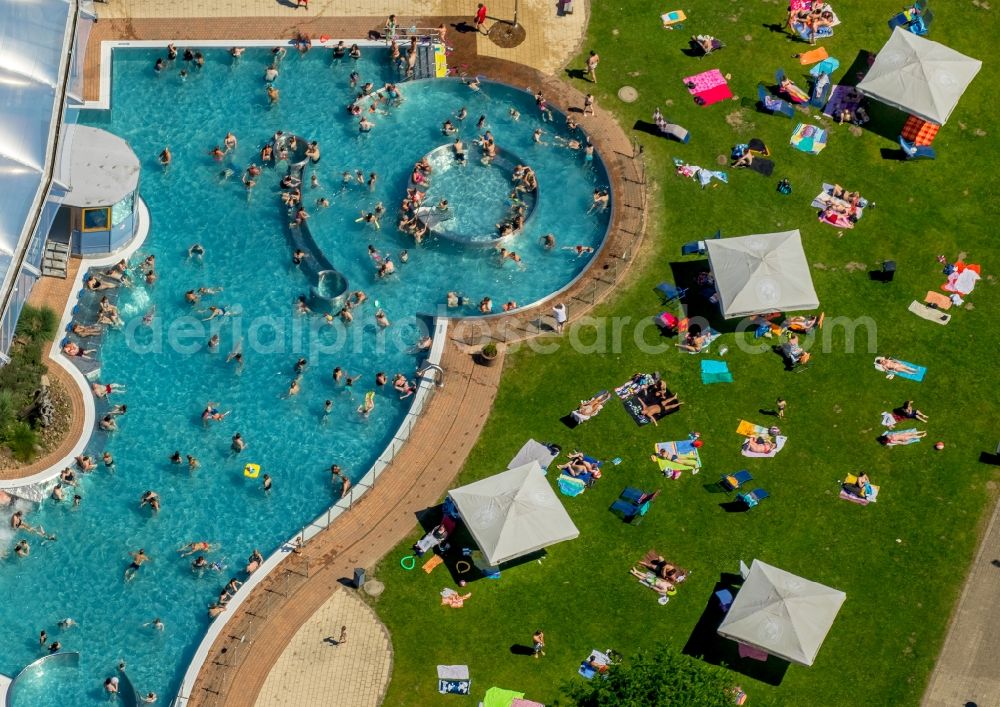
x=169, y=374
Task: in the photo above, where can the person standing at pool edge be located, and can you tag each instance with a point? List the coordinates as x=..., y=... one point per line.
x=559, y=312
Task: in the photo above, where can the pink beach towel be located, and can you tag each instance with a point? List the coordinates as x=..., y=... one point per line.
x=714, y=95
x=702, y=82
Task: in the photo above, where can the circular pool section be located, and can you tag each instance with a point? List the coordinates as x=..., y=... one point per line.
x=481, y=196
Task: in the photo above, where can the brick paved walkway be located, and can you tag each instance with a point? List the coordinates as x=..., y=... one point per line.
x=332, y=669
x=966, y=671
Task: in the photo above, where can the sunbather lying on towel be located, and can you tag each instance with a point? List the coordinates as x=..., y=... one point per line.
x=794, y=93
x=706, y=42
x=662, y=568
x=578, y=465
x=759, y=445
x=804, y=325
x=658, y=585
x=905, y=437
x=660, y=408
x=891, y=365
x=744, y=160
x=589, y=408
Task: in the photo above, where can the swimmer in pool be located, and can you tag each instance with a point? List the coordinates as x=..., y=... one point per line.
x=156, y=623
x=548, y=241
x=381, y=319
x=213, y=343
x=214, y=312
x=138, y=559
x=212, y=413
x=294, y=388
x=199, y=564
x=238, y=444
x=197, y=546
x=152, y=498
x=580, y=250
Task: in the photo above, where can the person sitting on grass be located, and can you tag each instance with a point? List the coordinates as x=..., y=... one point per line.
x=759, y=445
x=694, y=340
x=908, y=411
x=903, y=437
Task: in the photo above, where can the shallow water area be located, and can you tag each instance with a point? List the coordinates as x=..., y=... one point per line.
x=169, y=374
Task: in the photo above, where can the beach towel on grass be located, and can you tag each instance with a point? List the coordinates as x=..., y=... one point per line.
x=963, y=280
x=500, y=697
x=453, y=679
x=571, y=485
x=762, y=166
x=812, y=56
x=841, y=98
x=687, y=456
x=704, y=81
x=779, y=443
x=903, y=444
x=633, y=405
x=808, y=138
x=701, y=175
x=713, y=371
x=633, y=385
x=931, y=314
x=748, y=429
x=921, y=371
x=852, y=480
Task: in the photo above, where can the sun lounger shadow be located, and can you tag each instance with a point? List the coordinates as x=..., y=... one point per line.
x=734, y=506
x=518, y=649
x=713, y=488
x=892, y=154
x=647, y=127
x=706, y=644
x=569, y=421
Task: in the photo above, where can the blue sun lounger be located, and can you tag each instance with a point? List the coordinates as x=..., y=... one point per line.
x=752, y=498
x=773, y=105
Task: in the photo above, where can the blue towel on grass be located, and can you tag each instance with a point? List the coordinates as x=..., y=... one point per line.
x=715, y=372
x=918, y=376
x=571, y=486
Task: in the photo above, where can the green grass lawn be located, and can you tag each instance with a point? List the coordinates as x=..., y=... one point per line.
x=901, y=561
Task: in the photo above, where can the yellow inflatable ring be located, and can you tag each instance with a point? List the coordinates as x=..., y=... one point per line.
x=251, y=471
x=462, y=569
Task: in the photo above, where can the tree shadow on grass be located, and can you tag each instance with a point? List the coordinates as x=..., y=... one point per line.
x=706, y=644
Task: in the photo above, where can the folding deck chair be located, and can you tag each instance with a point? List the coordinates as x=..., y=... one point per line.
x=916, y=152
x=732, y=482
x=752, y=498
x=771, y=104
x=633, y=504
x=699, y=247
x=671, y=292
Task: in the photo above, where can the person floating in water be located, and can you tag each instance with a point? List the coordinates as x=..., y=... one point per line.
x=138, y=559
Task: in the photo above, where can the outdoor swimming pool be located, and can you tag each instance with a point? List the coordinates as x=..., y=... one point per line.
x=170, y=375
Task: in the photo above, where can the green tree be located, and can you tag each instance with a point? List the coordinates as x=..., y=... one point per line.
x=659, y=678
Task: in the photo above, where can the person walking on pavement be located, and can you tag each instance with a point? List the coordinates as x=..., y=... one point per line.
x=481, y=19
